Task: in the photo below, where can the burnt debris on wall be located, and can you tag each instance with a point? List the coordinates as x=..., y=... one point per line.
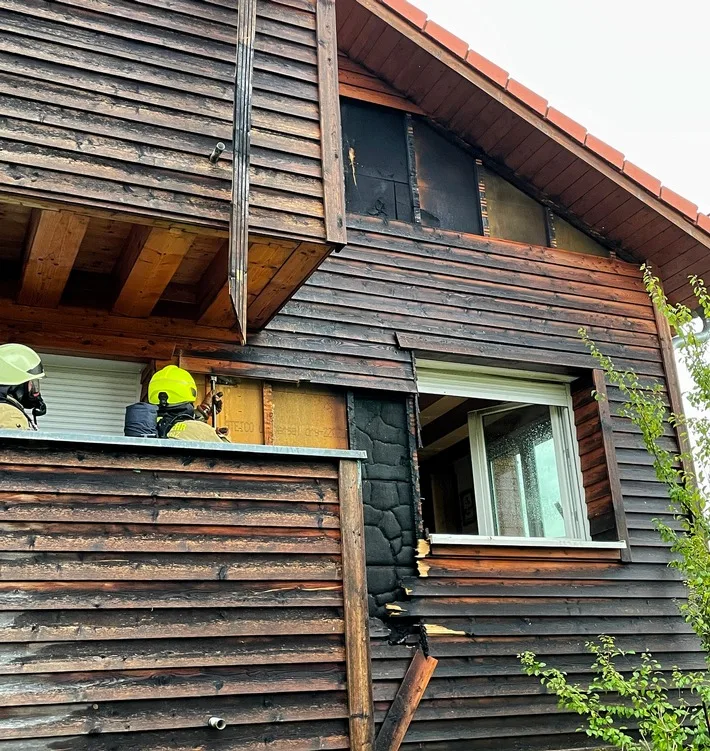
x=379, y=426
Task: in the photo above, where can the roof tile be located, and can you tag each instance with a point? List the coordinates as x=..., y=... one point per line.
x=651, y=183
x=408, y=11
x=678, y=202
x=528, y=96
x=449, y=40
x=604, y=150
x=487, y=68
x=704, y=222
x=570, y=126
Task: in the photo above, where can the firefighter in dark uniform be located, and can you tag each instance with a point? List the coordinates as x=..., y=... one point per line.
x=174, y=391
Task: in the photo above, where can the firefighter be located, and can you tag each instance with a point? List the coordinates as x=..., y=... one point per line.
x=20, y=371
x=174, y=392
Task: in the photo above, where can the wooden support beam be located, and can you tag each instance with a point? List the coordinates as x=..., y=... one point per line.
x=216, y=307
x=146, y=267
x=294, y=272
x=406, y=702
x=357, y=625
x=239, y=217
x=331, y=131
x=52, y=247
x=71, y=340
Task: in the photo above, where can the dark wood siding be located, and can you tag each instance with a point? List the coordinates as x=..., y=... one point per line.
x=482, y=606
x=287, y=172
x=119, y=105
x=143, y=592
x=456, y=294
x=464, y=297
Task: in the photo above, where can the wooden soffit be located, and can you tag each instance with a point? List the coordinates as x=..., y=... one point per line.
x=57, y=258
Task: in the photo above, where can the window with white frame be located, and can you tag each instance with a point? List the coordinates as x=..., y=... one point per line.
x=499, y=455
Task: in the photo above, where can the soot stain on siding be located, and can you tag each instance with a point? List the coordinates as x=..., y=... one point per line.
x=379, y=426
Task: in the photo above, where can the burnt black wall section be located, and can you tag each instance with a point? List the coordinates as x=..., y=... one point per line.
x=379, y=426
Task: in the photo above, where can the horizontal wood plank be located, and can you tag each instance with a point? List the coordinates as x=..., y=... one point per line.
x=173, y=714
x=62, y=657
x=38, y=566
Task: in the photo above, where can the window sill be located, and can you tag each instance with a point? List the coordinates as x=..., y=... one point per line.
x=523, y=542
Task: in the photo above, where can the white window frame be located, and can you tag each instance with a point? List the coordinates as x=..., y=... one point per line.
x=517, y=388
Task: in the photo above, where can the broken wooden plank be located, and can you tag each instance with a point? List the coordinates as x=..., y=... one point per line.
x=406, y=702
x=53, y=244
x=145, y=268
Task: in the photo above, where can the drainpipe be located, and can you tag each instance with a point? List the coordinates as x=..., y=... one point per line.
x=702, y=336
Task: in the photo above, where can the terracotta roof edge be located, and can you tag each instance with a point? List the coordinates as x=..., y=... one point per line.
x=540, y=105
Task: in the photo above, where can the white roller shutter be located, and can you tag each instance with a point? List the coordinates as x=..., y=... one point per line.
x=86, y=395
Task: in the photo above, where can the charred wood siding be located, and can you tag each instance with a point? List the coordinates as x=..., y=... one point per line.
x=142, y=593
x=507, y=304
x=460, y=295
x=287, y=169
x=119, y=104
x=463, y=296
x=481, y=607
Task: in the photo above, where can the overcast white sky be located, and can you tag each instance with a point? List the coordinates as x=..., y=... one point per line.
x=635, y=73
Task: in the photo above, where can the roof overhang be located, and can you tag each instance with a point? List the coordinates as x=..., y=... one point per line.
x=562, y=163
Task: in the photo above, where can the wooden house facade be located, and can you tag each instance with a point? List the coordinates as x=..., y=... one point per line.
x=382, y=249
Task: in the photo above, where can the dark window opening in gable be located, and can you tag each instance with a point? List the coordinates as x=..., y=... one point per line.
x=401, y=167
x=377, y=181
x=447, y=180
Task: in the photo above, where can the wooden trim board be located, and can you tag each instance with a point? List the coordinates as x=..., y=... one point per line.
x=331, y=132
x=239, y=217
x=357, y=639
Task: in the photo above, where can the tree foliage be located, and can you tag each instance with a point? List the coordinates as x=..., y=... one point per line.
x=648, y=708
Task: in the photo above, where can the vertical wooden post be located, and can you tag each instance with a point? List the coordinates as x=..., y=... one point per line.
x=612, y=464
x=357, y=632
x=675, y=396
x=412, y=168
x=241, y=140
x=267, y=401
x=331, y=133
